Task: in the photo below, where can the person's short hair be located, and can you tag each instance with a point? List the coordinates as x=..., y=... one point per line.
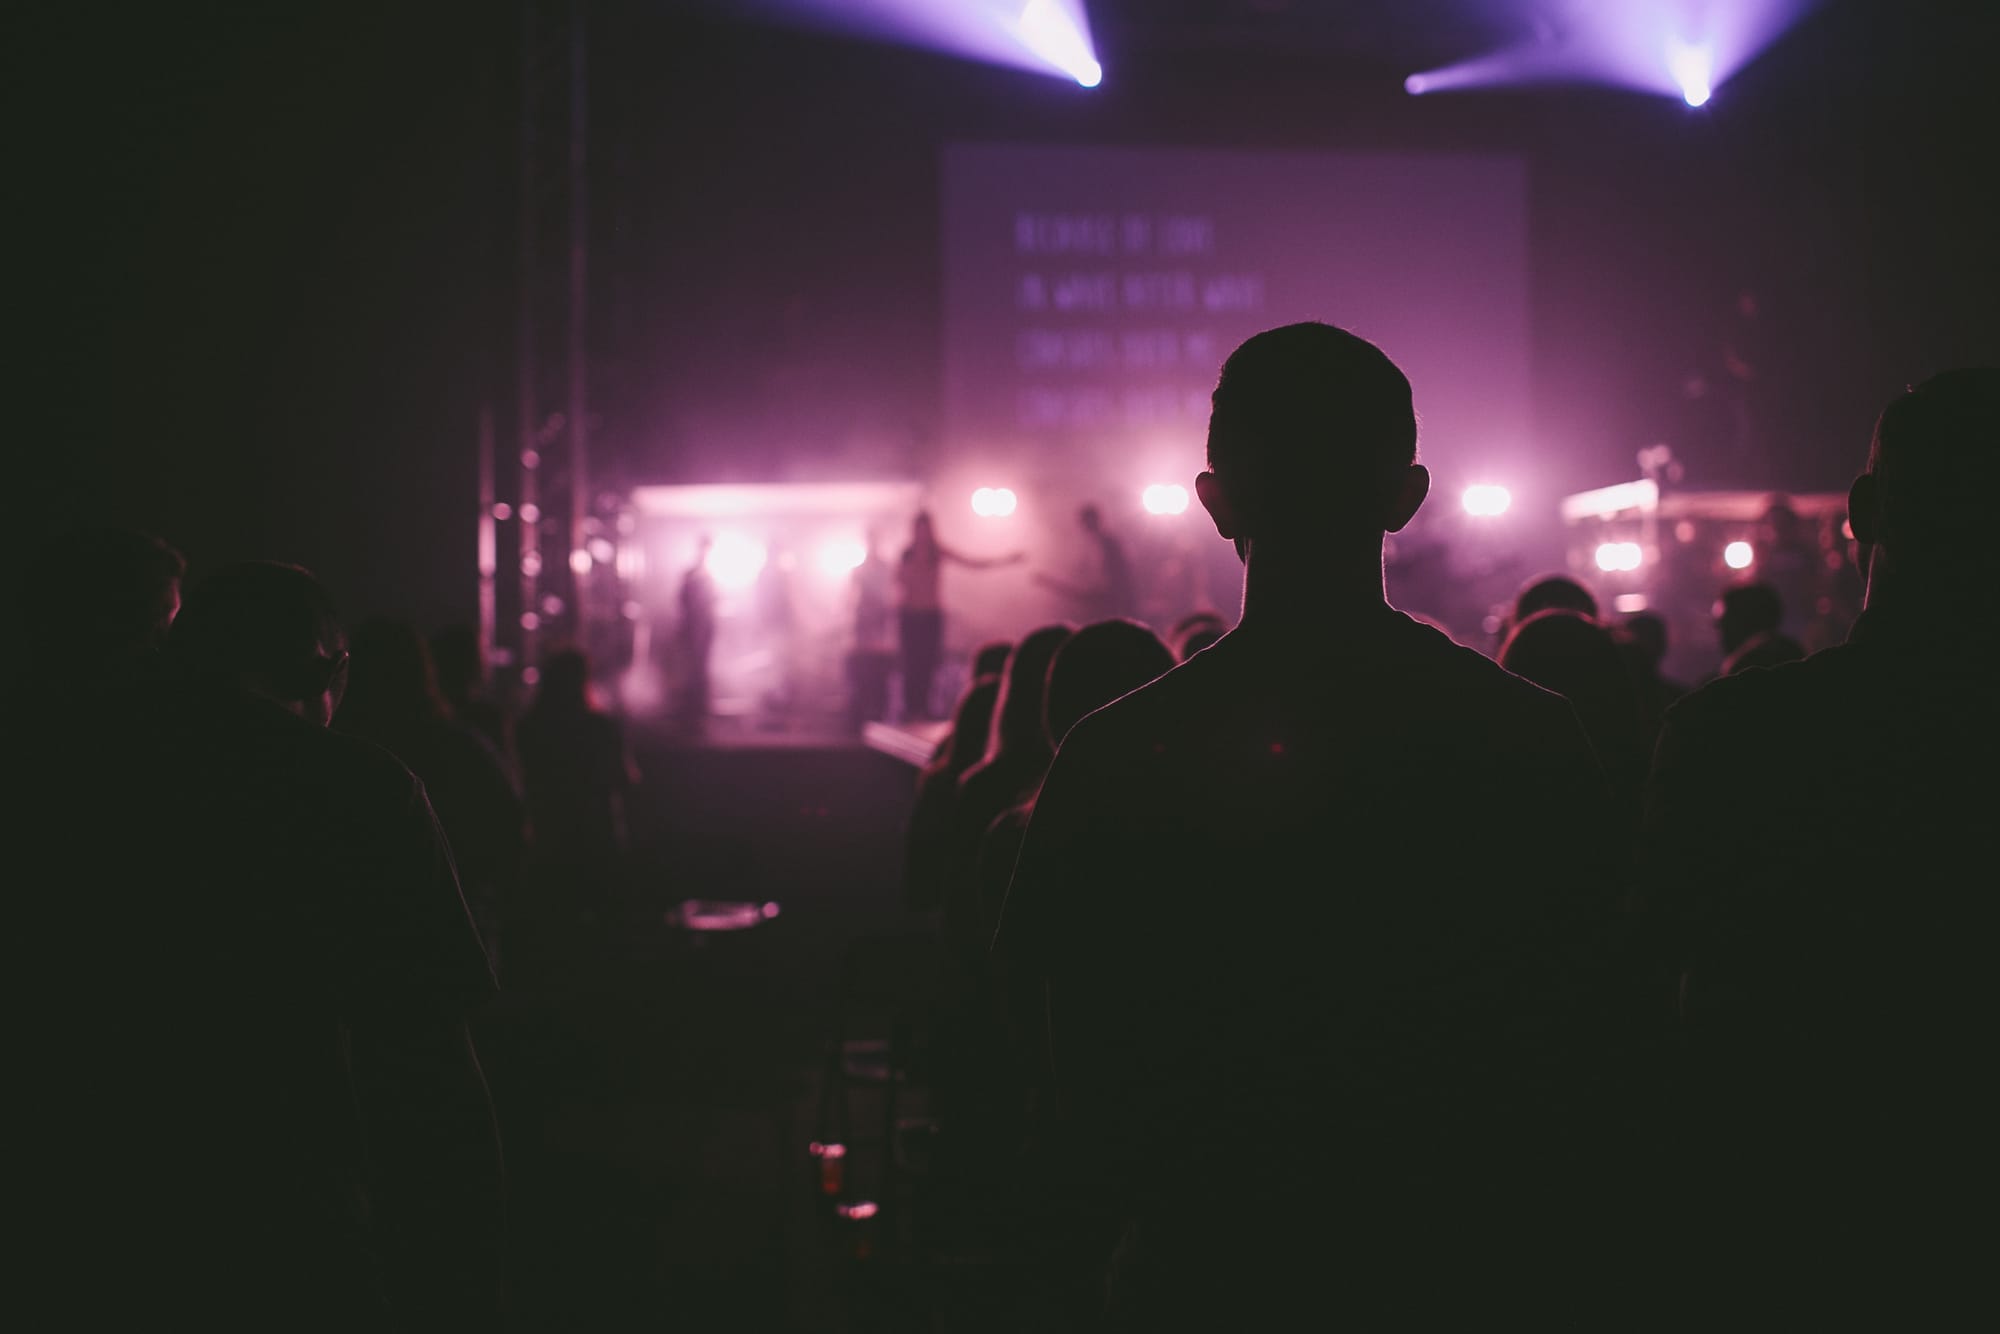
x=1749, y=609
x=264, y=619
x=1647, y=631
x=1935, y=458
x=991, y=658
x=105, y=589
x=1310, y=427
x=1553, y=592
x=1097, y=664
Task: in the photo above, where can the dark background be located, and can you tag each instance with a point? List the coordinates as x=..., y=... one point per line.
x=266, y=252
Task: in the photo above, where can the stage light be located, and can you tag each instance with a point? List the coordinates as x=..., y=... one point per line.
x=1485, y=500
x=1629, y=603
x=842, y=556
x=993, y=502
x=531, y=513
x=1738, y=555
x=1052, y=32
x=531, y=564
x=530, y=621
x=602, y=551
x=1671, y=48
x=579, y=561
x=1689, y=64
x=735, y=561
x=1164, y=498
x=859, y=1211
x=1619, y=556
x=503, y=511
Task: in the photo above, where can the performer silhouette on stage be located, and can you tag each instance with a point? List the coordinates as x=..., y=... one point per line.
x=920, y=610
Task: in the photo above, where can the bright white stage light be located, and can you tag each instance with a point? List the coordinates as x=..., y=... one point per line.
x=1415, y=85
x=1051, y=31
x=1619, y=556
x=1486, y=501
x=1164, y=498
x=1738, y=555
x=842, y=556
x=735, y=561
x=579, y=561
x=1691, y=67
x=993, y=502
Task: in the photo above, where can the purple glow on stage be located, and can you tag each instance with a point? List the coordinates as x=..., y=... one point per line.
x=1042, y=36
x=1676, y=48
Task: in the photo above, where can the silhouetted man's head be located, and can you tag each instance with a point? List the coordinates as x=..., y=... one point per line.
x=1746, y=610
x=1648, y=632
x=991, y=659
x=1932, y=472
x=103, y=602
x=270, y=628
x=1099, y=663
x=1312, y=440
x=1553, y=592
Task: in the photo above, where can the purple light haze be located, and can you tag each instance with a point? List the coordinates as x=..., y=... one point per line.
x=1042, y=36
x=1676, y=48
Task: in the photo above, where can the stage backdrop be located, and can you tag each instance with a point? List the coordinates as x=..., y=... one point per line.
x=1092, y=293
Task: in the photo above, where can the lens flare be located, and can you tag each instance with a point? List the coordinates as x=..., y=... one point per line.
x=993, y=502
x=1613, y=557
x=735, y=561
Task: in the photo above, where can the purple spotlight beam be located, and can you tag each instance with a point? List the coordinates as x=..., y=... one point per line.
x=1675, y=48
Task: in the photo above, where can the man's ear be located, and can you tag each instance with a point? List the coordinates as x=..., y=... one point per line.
x=1409, y=498
x=1864, y=510
x=1208, y=489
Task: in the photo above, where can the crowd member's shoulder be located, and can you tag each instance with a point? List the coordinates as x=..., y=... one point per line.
x=1760, y=696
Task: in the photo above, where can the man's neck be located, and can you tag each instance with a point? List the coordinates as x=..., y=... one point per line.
x=1313, y=593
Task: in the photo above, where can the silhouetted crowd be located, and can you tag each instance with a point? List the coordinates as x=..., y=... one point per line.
x=1314, y=970
x=1341, y=970
x=273, y=872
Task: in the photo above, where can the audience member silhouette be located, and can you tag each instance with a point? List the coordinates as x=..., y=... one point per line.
x=578, y=774
x=1018, y=750
x=96, y=614
x=1577, y=658
x=1746, y=621
x=260, y=1106
x=1306, y=1042
x=920, y=609
x=1094, y=666
x=928, y=851
x=1552, y=592
x=1195, y=632
x=1812, y=857
x=458, y=659
x=1642, y=642
x=392, y=699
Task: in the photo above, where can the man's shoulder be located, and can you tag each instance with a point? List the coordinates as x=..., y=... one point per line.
x=1760, y=696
